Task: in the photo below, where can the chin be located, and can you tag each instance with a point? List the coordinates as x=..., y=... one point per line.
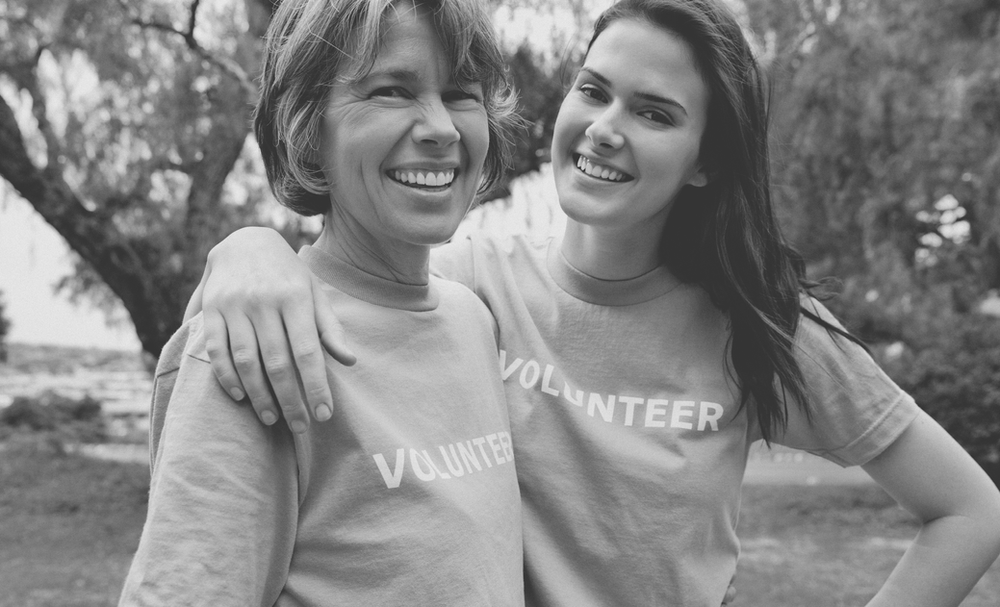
x=432, y=235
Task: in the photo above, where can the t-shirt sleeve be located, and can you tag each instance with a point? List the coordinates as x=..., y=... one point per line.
x=223, y=503
x=455, y=261
x=855, y=409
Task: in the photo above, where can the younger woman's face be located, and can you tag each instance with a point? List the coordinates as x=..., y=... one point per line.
x=628, y=133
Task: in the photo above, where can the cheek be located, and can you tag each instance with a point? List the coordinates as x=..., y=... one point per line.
x=563, y=121
x=571, y=124
x=474, y=130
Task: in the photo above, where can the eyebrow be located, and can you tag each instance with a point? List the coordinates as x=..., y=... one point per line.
x=641, y=95
x=403, y=75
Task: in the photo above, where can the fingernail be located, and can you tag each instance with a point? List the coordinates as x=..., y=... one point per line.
x=237, y=394
x=298, y=426
x=323, y=413
x=268, y=417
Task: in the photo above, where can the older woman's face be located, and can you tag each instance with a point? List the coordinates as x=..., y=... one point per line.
x=403, y=149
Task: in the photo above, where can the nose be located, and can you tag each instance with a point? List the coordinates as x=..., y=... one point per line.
x=435, y=126
x=604, y=132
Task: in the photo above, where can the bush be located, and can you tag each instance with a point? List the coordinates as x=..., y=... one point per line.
x=955, y=377
x=64, y=419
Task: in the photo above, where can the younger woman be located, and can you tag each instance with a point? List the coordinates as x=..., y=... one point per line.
x=644, y=351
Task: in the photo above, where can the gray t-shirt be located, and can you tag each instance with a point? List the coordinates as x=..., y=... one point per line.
x=407, y=496
x=630, y=443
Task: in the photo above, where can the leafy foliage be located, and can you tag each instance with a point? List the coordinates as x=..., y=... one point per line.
x=886, y=122
x=62, y=420
x=956, y=379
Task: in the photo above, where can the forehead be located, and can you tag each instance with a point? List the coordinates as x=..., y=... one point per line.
x=408, y=33
x=403, y=32
x=647, y=58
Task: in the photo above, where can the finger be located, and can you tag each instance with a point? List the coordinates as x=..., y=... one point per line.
x=309, y=360
x=331, y=333
x=730, y=597
x=246, y=359
x=217, y=345
x=276, y=356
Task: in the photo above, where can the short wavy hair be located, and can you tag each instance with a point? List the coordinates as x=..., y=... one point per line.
x=310, y=44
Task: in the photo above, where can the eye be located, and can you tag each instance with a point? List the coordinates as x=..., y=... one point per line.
x=395, y=92
x=461, y=95
x=658, y=117
x=593, y=92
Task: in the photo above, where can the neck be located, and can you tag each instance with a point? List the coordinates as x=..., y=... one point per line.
x=610, y=254
x=347, y=240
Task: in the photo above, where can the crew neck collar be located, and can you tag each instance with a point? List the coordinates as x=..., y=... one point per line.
x=367, y=287
x=630, y=291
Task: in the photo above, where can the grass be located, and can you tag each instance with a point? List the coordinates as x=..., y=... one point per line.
x=70, y=525
x=826, y=547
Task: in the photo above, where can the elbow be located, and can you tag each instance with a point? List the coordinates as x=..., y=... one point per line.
x=988, y=515
x=993, y=517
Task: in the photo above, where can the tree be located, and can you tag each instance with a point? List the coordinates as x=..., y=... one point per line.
x=129, y=133
x=886, y=119
x=4, y=329
x=130, y=137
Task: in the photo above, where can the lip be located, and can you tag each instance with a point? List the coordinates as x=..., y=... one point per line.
x=427, y=165
x=596, y=160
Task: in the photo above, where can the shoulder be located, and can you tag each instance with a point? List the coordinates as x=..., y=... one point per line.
x=478, y=259
x=490, y=247
x=460, y=306
x=188, y=340
x=457, y=298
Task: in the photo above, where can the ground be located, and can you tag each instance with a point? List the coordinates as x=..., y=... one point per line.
x=813, y=534
x=71, y=523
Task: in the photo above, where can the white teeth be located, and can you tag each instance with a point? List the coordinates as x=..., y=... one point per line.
x=428, y=178
x=595, y=170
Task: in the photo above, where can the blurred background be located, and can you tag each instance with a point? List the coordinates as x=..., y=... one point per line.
x=126, y=154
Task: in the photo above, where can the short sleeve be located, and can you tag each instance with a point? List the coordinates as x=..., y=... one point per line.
x=855, y=409
x=223, y=504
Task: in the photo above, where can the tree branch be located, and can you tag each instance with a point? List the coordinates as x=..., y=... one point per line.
x=225, y=64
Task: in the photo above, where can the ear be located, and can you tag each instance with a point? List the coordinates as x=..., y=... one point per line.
x=700, y=178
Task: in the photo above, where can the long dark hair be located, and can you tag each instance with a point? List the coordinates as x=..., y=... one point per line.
x=725, y=236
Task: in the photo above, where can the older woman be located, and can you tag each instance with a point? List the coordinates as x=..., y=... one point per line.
x=382, y=115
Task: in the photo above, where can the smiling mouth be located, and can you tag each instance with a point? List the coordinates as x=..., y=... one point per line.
x=598, y=171
x=423, y=179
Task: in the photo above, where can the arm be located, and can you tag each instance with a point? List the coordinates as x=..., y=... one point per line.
x=267, y=323
x=930, y=475
x=222, y=513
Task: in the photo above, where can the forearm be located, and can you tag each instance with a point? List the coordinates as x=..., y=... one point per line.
x=930, y=475
x=943, y=563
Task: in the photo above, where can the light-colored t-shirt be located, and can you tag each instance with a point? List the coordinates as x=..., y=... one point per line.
x=408, y=496
x=630, y=443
